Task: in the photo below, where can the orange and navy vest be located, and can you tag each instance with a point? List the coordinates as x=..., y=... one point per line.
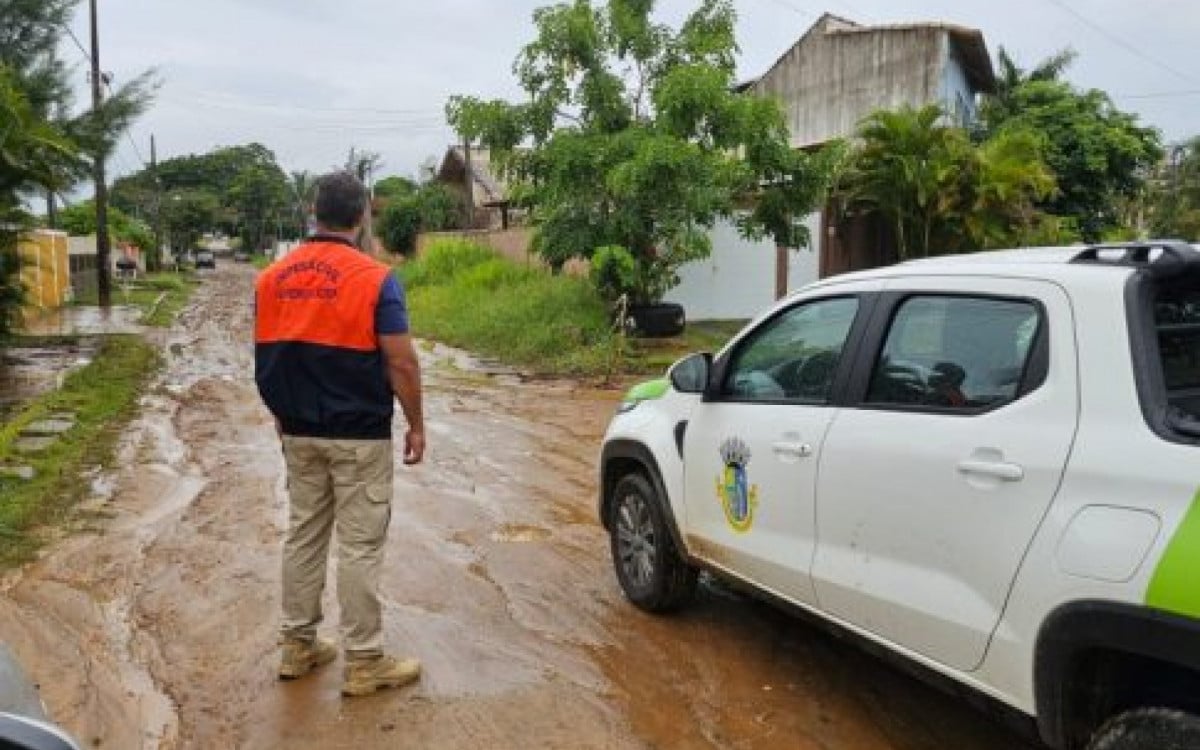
x=316, y=354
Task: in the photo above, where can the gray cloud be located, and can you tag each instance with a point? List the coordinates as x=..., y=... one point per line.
x=311, y=79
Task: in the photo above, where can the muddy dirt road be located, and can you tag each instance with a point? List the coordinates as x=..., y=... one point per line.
x=154, y=626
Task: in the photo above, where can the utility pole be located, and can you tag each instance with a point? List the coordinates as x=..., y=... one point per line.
x=155, y=260
x=103, y=246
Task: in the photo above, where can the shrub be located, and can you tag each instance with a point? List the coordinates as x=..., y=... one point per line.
x=467, y=295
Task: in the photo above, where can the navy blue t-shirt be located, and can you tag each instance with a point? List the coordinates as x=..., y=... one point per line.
x=391, y=314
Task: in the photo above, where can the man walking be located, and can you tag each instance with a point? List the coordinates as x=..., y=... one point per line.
x=331, y=351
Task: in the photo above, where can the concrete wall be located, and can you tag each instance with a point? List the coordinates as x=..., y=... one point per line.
x=829, y=82
x=738, y=280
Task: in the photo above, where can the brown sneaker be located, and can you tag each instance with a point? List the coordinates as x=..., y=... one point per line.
x=300, y=657
x=365, y=676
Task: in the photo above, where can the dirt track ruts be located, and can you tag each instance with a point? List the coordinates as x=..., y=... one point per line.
x=154, y=625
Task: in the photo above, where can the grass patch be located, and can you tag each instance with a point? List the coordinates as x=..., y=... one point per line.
x=260, y=261
x=103, y=396
x=467, y=296
x=160, y=296
x=655, y=355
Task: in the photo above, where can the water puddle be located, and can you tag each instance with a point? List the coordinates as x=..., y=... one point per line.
x=27, y=372
x=86, y=321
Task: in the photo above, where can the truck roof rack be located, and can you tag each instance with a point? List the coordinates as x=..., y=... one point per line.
x=1160, y=258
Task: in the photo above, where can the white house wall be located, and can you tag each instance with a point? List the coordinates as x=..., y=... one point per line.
x=738, y=280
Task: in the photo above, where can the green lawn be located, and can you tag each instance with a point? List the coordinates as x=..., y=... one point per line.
x=103, y=396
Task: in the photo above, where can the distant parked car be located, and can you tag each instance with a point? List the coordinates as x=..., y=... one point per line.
x=241, y=256
x=205, y=259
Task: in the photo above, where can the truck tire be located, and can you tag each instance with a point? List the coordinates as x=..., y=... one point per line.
x=1149, y=729
x=652, y=573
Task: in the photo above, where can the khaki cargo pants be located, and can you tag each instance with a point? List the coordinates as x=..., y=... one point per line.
x=347, y=484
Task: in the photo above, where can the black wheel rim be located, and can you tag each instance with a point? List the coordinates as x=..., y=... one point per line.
x=635, y=540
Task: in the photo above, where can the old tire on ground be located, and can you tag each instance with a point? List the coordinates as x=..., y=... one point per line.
x=657, y=321
x=652, y=573
x=1149, y=729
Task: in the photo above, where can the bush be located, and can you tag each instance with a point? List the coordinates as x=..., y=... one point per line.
x=399, y=226
x=614, y=272
x=445, y=261
x=432, y=208
x=466, y=295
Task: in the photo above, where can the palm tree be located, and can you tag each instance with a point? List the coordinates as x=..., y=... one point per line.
x=937, y=190
x=303, y=184
x=30, y=150
x=1011, y=78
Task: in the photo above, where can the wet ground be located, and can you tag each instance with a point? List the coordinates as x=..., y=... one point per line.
x=154, y=626
x=26, y=372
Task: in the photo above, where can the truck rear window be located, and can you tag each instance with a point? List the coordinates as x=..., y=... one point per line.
x=1177, y=324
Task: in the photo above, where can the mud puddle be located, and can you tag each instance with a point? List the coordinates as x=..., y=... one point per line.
x=155, y=626
x=86, y=320
x=27, y=372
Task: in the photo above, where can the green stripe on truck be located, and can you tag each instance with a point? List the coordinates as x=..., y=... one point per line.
x=649, y=390
x=1174, y=586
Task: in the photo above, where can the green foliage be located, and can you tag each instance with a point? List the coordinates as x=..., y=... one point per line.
x=80, y=220
x=390, y=188
x=259, y=195
x=30, y=37
x=637, y=139
x=1100, y=155
x=1175, y=201
x=31, y=150
x=430, y=208
x=238, y=190
x=614, y=272
x=399, y=225
x=468, y=296
x=103, y=396
x=188, y=214
x=941, y=193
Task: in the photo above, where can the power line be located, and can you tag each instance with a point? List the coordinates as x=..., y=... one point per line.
x=136, y=150
x=1119, y=41
x=86, y=55
x=1159, y=94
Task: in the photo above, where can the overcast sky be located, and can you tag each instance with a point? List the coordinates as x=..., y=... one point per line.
x=311, y=78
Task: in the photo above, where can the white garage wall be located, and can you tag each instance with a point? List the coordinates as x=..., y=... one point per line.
x=738, y=280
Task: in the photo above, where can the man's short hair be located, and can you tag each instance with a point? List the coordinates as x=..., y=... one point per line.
x=341, y=201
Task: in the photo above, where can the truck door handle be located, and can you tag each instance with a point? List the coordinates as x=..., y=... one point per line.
x=999, y=469
x=791, y=449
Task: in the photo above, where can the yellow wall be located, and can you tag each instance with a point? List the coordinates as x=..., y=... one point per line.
x=45, y=271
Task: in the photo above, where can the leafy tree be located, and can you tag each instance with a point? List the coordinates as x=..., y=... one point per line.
x=1175, y=200
x=29, y=41
x=1100, y=156
x=187, y=215
x=939, y=192
x=390, y=188
x=259, y=195
x=31, y=148
x=303, y=187
x=244, y=186
x=431, y=208
x=399, y=224
x=80, y=220
x=631, y=136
